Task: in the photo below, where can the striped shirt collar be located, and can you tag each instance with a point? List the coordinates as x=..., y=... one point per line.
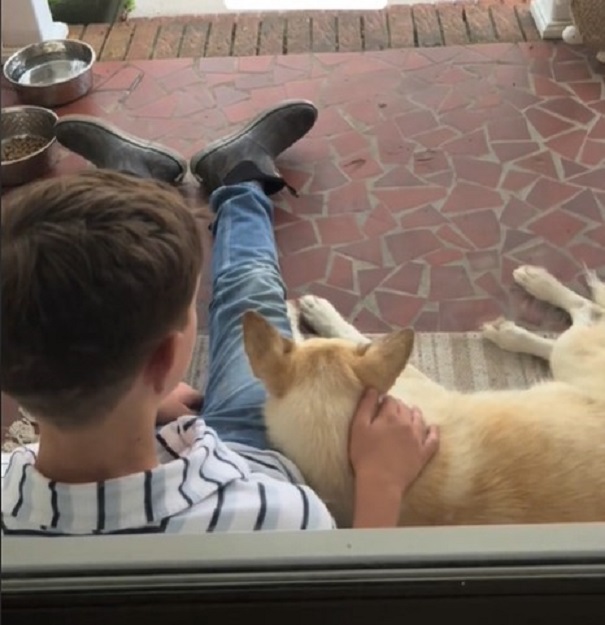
x=195, y=464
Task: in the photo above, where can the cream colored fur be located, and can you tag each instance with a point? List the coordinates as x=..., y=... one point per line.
x=516, y=456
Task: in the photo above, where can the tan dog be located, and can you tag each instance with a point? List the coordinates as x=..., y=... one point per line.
x=516, y=456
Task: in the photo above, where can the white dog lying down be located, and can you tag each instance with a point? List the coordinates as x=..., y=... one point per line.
x=515, y=456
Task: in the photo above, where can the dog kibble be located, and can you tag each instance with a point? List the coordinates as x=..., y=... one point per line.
x=21, y=146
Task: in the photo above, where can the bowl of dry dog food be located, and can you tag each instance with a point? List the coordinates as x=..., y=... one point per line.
x=28, y=143
x=51, y=73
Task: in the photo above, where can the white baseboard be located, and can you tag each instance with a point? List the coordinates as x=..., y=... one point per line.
x=549, y=25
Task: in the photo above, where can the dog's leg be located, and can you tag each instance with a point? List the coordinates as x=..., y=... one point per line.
x=322, y=317
x=513, y=338
x=544, y=286
x=294, y=318
x=597, y=287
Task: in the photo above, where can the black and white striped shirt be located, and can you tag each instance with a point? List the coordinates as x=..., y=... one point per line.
x=200, y=485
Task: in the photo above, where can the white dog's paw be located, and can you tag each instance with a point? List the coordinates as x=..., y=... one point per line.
x=503, y=332
x=320, y=315
x=294, y=319
x=537, y=281
x=596, y=286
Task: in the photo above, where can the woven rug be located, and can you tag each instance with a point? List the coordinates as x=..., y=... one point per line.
x=461, y=361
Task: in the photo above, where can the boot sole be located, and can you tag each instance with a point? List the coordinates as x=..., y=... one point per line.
x=232, y=138
x=135, y=141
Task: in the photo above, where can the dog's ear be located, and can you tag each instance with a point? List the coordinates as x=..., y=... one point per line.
x=381, y=362
x=269, y=353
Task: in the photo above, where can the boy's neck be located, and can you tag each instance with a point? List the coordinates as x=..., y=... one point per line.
x=121, y=445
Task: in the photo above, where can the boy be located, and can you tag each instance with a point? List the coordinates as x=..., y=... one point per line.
x=100, y=272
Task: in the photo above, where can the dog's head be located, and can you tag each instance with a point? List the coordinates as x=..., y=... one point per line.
x=320, y=363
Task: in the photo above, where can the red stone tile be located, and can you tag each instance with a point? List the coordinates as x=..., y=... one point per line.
x=546, y=124
x=517, y=180
x=558, y=227
x=341, y=273
x=427, y=321
x=492, y=287
x=327, y=176
x=369, y=251
x=512, y=150
x=484, y=260
x=467, y=315
x=541, y=163
x=598, y=131
x=505, y=129
x=369, y=280
x=568, y=144
x=423, y=217
x=414, y=123
x=468, y=197
x=593, y=256
x=363, y=165
x=338, y=229
x=569, y=109
x=412, y=197
x=435, y=138
x=594, y=179
x=406, y=279
x=448, y=235
x=593, y=153
x=571, y=168
x=305, y=267
x=399, y=177
x=585, y=205
x=449, y=283
x=368, y=323
x=429, y=162
x=349, y=143
x=412, y=244
x=309, y=204
x=597, y=235
x=443, y=256
x=477, y=170
x=295, y=237
x=545, y=87
x=548, y=193
x=473, y=144
x=590, y=91
x=379, y=221
x=351, y=198
x=514, y=239
x=546, y=255
x=481, y=228
x=397, y=309
x=574, y=71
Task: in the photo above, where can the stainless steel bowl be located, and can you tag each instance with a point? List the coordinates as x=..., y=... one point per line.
x=51, y=73
x=27, y=126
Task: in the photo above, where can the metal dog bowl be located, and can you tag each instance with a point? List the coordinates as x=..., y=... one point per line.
x=51, y=73
x=28, y=143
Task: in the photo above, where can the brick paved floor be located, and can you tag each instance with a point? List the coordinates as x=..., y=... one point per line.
x=429, y=176
x=293, y=33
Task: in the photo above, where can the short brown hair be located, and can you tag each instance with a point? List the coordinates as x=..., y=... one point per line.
x=97, y=267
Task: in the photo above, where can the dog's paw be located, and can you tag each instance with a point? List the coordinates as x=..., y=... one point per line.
x=320, y=315
x=502, y=332
x=537, y=281
x=596, y=286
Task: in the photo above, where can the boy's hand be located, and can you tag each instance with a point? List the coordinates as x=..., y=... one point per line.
x=390, y=444
x=182, y=401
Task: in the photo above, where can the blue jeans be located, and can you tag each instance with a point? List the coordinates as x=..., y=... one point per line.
x=245, y=275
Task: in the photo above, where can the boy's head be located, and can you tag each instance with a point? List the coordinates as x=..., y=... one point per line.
x=99, y=273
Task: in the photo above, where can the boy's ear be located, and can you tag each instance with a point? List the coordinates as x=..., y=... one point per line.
x=160, y=363
x=383, y=360
x=269, y=353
